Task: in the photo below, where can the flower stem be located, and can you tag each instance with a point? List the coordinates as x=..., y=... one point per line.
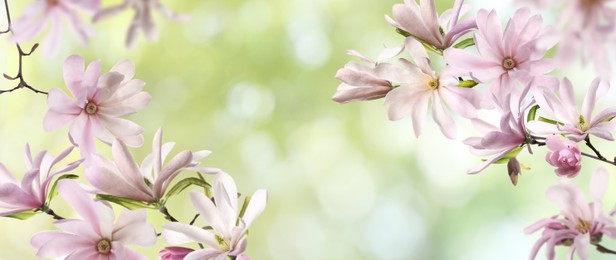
x=22, y=82
x=605, y=250
x=598, y=158
x=55, y=216
x=168, y=216
x=592, y=147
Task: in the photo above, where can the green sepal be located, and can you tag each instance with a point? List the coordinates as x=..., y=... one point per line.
x=467, y=83
x=183, y=184
x=403, y=32
x=23, y=215
x=53, y=191
x=426, y=45
x=128, y=203
x=465, y=43
x=549, y=121
x=509, y=155
x=532, y=113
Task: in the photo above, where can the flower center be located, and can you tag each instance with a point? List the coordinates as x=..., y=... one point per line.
x=508, y=64
x=583, y=226
x=582, y=124
x=52, y=2
x=103, y=246
x=91, y=108
x=223, y=244
x=433, y=84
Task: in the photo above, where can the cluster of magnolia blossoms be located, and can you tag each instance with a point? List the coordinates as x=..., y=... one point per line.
x=508, y=72
x=49, y=13
x=100, y=101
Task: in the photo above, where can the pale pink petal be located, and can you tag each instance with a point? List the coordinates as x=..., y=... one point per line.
x=120, y=126
x=126, y=164
x=57, y=244
x=59, y=102
x=172, y=168
x=81, y=227
x=51, y=43
x=73, y=73
x=590, y=100
x=582, y=244
x=132, y=228
x=180, y=233
x=207, y=253
x=442, y=117
x=208, y=211
x=81, y=202
x=109, y=182
x=257, y=204
x=110, y=11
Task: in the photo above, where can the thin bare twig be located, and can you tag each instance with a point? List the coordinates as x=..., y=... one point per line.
x=22, y=82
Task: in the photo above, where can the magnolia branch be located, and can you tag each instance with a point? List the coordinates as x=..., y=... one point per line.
x=22, y=82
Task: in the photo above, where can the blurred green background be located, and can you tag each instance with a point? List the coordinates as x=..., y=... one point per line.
x=251, y=80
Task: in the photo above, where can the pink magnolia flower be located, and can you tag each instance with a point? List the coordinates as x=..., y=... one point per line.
x=142, y=20
x=576, y=125
x=506, y=57
x=174, y=253
x=586, y=28
x=499, y=142
x=96, y=236
x=565, y=155
x=420, y=86
x=34, y=188
x=361, y=82
x=228, y=236
x=99, y=103
x=580, y=224
x=41, y=13
x=423, y=23
x=123, y=178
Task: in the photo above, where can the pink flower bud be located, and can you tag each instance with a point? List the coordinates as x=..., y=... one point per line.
x=565, y=155
x=174, y=253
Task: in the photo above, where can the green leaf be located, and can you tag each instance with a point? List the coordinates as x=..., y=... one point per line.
x=465, y=43
x=127, y=203
x=532, y=113
x=403, y=32
x=53, y=191
x=185, y=183
x=23, y=215
x=509, y=155
x=467, y=83
x=550, y=121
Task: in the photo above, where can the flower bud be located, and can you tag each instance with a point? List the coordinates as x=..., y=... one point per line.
x=513, y=168
x=565, y=155
x=174, y=253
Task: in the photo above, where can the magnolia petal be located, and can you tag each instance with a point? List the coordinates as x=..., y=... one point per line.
x=208, y=253
x=51, y=43
x=132, y=229
x=257, y=204
x=127, y=166
x=57, y=244
x=172, y=168
x=81, y=202
x=180, y=233
x=582, y=244
x=77, y=226
x=442, y=117
x=209, y=212
x=109, y=182
x=598, y=187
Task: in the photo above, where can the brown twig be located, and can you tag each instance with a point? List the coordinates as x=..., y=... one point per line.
x=22, y=82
